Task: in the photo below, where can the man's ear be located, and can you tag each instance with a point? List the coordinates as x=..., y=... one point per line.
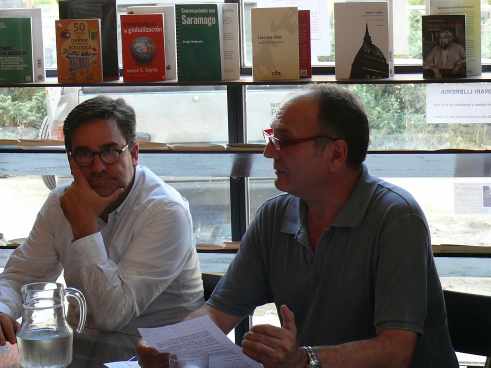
x=338, y=156
x=135, y=149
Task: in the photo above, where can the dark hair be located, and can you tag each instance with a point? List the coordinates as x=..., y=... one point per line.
x=342, y=115
x=105, y=108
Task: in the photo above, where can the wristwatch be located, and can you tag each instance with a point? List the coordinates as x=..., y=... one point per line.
x=314, y=361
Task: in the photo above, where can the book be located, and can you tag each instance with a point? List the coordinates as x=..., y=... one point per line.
x=36, y=35
x=304, y=44
x=78, y=50
x=443, y=38
x=15, y=50
x=472, y=11
x=105, y=10
x=169, y=34
x=207, y=38
x=362, y=40
x=142, y=39
x=275, y=43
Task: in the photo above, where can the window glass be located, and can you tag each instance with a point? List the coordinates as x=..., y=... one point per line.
x=399, y=115
x=458, y=210
x=200, y=113
x=208, y=199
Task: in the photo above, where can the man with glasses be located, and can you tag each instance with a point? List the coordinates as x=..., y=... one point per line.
x=346, y=257
x=118, y=232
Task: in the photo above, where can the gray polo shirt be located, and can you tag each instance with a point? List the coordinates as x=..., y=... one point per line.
x=373, y=268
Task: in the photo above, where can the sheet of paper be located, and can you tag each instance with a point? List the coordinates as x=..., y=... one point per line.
x=198, y=343
x=124, y=364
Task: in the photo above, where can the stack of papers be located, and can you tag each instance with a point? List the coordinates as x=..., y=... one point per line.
x=197, y=343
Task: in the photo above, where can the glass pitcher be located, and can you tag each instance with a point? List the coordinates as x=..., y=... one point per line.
x=45, y=339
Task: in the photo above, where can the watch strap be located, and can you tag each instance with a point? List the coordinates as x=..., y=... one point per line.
x=314, y=361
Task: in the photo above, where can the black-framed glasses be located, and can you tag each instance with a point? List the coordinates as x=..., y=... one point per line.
x=278, y=144
x=108, y=155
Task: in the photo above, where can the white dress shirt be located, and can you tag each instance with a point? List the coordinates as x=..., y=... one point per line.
x=139, y=270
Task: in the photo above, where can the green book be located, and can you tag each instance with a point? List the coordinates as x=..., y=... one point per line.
x=198, y=42
x=15, y=50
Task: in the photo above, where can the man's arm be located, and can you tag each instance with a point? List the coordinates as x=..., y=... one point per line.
x=277, y=347
x=226, y=322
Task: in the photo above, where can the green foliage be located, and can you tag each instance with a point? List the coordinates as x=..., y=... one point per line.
x=22, y=107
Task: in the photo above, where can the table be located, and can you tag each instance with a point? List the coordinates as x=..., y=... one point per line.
x=90, y=350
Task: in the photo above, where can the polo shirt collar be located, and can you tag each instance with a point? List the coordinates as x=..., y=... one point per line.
x=351, y=215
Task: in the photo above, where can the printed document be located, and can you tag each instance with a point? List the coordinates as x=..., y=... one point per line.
x=198, y=343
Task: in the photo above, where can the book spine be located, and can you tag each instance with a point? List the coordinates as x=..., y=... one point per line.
x=304, y=47
x=170, y=42
x=229, y=41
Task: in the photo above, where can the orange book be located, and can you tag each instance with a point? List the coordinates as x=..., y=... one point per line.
x=142, y=38
x=79, y=52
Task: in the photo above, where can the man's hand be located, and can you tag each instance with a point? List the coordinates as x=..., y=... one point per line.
x=273, y=346
x=8, y=329
x=148, y=357
x=82, y=205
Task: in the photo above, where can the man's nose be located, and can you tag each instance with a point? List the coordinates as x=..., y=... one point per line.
x=97, y=164
x=270, y=151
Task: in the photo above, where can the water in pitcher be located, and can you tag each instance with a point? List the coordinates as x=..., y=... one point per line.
x=45, y=348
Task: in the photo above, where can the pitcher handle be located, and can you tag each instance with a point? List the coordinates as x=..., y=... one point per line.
x=80, y=298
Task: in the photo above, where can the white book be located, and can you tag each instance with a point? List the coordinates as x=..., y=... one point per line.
x=169, y=12
x=472, y=11
x=37, y=36
x=228, y=18
x=275, y=45
x=363, y=40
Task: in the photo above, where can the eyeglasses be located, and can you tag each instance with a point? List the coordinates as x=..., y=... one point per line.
x=278, y=144
x=108, y=155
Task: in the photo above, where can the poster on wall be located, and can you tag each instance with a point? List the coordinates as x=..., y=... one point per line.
x=452, y=103
x=472, y=198
x=320, y=20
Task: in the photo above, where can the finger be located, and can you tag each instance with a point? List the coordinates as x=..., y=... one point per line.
x=7, y=328
x=288, y=319
x=272, y=331
x=2, y=337
x=254, y=337
x=260, y=353
x=78, y=177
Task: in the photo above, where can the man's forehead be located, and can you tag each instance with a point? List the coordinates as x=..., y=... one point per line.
x=302, y=110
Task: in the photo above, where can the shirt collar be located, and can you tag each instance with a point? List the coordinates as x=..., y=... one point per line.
x=351, y=214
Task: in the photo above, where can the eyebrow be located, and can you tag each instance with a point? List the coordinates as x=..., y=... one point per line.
x=104, y=146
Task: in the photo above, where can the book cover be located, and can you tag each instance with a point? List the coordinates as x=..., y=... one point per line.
x=443, y=41
x=362, y=40
x=169, y=13
x=105, y=10
x=78, y=50
x=198, y=42
x=472, y=11
x=275, y=43
x=15, y=50
x=304, y=47
x=37, y=36
x=142, y=39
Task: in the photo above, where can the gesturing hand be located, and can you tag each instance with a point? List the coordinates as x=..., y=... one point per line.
x=274, y=346
x=8, y=329
x=82, y=205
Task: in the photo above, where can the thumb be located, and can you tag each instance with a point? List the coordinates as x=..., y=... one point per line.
x=288, y=319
